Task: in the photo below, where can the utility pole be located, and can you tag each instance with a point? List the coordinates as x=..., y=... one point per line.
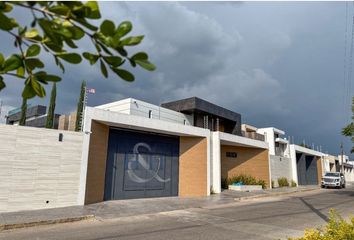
x=341, y=156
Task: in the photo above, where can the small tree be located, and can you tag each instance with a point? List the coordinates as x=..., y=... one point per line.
x=51, y=111
x=57, y=28
x=348, y=131
x=23, y=112
x=80, y=107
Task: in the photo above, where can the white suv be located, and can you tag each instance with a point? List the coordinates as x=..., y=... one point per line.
x=333, y=179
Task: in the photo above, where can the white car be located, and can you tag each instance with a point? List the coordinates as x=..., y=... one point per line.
x=333, y=179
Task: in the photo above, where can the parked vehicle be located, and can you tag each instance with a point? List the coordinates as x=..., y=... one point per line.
x=333, y=179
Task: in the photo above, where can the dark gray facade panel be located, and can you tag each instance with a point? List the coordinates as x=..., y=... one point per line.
x=31, y=112
x=201, y=108
x=306, y=169
x=141, y=165
x=190, y=105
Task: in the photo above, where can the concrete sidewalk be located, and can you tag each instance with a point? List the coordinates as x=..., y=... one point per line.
x=125, y=208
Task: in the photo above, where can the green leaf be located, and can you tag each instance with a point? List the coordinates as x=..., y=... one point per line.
x=33, y=63
x=70, y=43
x=103, y=69
x=146, y=64
x=2, y=60
x=113, y=60
x=33, y=50
x=95, y=11
x=2, y=83
x=124, y=74
x=122, y=51
x=52, y=78
x=70, y=57
x=31, y=33
x=91, y=57
x=64, y=32
x=20, y=71
x=124, y=28
x=53, y=46
x=107, y=28
x=59, y=9
x=13, y=62
x=140, y=56
x=77, y=32
x=28, y=91
x=44, y=77
x=5, y=7
x=6, y=23
x=132, y=41
x=37, y=87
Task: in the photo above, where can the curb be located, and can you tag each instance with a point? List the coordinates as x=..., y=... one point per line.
x=275, y=194
x=4, y=227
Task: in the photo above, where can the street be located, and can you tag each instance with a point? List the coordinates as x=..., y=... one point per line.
x=266, y=218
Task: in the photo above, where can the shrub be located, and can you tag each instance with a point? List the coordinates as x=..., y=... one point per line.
x=336, y=229
x=293, y=183
x=283, y=182
x=245, y=179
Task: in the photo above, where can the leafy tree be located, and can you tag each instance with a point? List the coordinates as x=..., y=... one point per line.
x=51, y=111
x=80, y=107
x=22, y=121
x=56, y=28
x=348, y=131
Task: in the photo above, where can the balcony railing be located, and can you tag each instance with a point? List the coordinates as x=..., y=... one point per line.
x=253, y=135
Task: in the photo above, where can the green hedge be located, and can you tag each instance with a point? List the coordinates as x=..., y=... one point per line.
x=283, y=182
x=244, y=178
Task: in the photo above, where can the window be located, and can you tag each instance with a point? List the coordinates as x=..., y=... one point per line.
x=184, y=122
x=150, y=113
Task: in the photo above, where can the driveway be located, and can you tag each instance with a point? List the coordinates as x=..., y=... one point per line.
x=265, y=218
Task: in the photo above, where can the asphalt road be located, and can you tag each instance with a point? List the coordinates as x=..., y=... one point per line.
x=275, y=218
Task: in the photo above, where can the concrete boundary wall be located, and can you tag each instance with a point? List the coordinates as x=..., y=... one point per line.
x=37, y=170
x=280, y=167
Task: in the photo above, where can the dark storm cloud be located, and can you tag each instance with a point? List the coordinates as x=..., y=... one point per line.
x=278, y=64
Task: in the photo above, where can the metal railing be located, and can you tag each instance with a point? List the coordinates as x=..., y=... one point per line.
x=253, y=135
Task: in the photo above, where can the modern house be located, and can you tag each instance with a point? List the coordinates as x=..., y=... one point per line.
x=279, y=154
x=36, y=116
x=134, y=149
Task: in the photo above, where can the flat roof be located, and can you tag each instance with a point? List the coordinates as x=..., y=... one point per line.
x=195, y=105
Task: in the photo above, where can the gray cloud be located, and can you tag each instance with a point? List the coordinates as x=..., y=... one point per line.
x=278, y=64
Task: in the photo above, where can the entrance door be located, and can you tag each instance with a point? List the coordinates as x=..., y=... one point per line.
x=311, y=170
x=301, y=168
x=306, y=169
x=141, y=165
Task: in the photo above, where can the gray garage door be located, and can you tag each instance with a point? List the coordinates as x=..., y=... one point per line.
x=141, y=165
x=306, y=169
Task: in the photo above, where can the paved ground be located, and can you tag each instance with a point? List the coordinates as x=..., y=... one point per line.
x=124, y=208
x=266, y=218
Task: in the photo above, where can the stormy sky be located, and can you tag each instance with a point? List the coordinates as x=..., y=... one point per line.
x=279, y=64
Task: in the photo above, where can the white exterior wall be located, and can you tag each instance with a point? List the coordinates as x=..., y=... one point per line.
x=215, y=162
x=35, y=167
x=349, y=174
x=269, y=138
x=140, y=108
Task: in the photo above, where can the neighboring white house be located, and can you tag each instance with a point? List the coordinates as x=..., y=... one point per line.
x=136, y=107
x=347, y=166
x=279, y=154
